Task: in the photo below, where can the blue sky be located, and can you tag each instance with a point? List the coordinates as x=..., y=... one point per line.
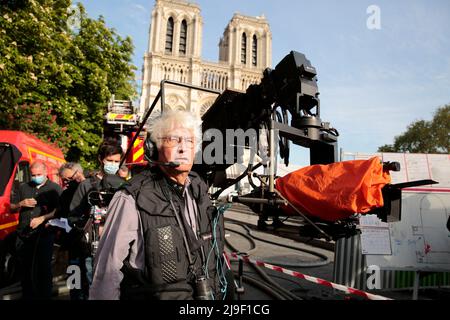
x=372, y=83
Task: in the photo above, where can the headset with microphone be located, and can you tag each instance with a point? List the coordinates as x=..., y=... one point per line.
x=151, y=155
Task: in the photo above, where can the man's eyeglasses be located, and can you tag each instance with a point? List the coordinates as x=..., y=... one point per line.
x=173, y=141
x=67, y=180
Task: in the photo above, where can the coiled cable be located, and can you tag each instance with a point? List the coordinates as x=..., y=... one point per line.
x=325, y=260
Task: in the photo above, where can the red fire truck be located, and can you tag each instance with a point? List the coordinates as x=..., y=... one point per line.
x=122, y=120
x=17, y=151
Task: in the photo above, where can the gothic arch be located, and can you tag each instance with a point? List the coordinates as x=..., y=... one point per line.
x=175, y=101
x=206, y=104
x=254, y=50
x=170, y=35
x=186, y=17
x=170, y=13
x=244, y=48
x=183, y=37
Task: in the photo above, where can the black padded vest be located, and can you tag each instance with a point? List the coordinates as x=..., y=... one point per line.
x=167, y=274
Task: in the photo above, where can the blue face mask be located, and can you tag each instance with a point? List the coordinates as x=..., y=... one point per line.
x=110, y=167
x=38, y=179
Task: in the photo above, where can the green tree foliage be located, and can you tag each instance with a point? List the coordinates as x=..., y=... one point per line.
x=56, y=82
x=424, y=136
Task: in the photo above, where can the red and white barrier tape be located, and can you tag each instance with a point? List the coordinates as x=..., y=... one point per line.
x=311, y=279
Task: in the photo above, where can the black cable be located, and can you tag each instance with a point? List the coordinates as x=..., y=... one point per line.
x=284, y=220
x=266, y=278
x=324, y=257
x=275, y=285
x=301, y=265
x=261, y=272
x=276, y=276
x=254, y=282
x=281, y=291
x=167, y=193
x=250, y=178
x=234, y=249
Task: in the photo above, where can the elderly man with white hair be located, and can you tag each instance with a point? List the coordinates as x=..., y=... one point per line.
x=163, y=238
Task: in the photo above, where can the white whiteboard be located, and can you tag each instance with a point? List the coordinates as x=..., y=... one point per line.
x=414, y=166
x=420, y=241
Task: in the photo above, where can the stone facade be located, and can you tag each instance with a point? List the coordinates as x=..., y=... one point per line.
x=174, y=53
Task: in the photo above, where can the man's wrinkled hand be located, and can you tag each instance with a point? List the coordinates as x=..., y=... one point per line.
x=35, y=222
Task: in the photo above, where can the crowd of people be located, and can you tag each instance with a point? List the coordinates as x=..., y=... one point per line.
x=162, y=238
x=40, y=200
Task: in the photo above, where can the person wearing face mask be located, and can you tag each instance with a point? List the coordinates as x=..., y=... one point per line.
x=163, y=238
x=38, y=201
x=109, y=155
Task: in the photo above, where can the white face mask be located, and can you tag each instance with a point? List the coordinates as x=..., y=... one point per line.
x=38, y=180
x=110, y=167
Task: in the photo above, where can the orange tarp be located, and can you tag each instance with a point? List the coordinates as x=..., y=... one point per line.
x=335, y=191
